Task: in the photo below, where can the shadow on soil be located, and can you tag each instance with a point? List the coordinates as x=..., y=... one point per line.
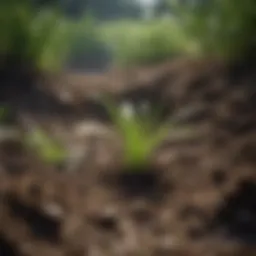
x=237, y=216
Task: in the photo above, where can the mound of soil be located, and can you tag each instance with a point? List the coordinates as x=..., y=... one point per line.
x=196, y=199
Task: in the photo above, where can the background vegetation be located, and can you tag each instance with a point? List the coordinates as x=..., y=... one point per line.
x=91, y=34
x=216, y=28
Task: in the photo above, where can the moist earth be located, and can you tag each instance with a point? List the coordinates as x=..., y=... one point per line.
x=197, y=197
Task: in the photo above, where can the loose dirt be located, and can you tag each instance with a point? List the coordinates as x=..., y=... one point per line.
x=196, y=199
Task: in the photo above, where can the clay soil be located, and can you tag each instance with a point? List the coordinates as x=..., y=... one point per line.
x=197, y=198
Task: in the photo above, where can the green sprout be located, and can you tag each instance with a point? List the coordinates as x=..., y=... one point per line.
x=141, y=133
x=47, y=148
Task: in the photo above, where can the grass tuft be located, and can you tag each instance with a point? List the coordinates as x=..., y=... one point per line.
x=49, y=150
x=141, y=134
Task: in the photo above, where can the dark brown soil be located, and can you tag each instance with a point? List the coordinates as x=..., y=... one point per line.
x=196, y=199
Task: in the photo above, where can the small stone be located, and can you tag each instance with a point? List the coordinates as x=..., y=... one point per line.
x=54, y=210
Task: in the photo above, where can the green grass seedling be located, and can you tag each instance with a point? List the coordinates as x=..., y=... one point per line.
x=140, y=133
x=47, y=148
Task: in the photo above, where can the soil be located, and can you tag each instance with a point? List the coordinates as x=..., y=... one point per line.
x=197, y=197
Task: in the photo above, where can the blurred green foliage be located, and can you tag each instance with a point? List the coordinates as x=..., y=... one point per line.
x=40, y=36
x=212, y=28
x=222, y=28
x=151, y=41
x=49, y=38
x=46, y=147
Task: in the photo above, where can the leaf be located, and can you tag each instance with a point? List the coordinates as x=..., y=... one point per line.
x=140, y=133
x=47, y=149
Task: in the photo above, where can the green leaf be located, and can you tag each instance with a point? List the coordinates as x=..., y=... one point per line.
x=49, y=150
x=141, y=134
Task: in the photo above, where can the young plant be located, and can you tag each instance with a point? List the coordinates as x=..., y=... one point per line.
x=47, y=148
x=141, y=133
